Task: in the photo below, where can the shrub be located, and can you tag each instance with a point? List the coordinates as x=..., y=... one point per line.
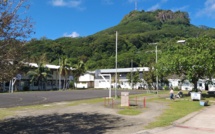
x=165, y=87
x=71, y=84
x=176, y=89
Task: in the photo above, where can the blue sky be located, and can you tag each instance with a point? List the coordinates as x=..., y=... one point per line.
x=79, y=18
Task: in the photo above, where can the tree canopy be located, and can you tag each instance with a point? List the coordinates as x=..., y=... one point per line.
x=14, y=29
x=193, y=60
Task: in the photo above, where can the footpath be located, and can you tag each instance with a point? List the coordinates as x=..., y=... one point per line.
x=201, y=122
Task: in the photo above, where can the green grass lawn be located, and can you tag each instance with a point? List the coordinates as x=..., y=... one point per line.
x=176, y=110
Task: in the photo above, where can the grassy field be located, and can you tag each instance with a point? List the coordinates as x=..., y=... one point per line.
x=178, y=109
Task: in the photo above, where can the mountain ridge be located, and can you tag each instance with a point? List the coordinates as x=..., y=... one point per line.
x=137, y=31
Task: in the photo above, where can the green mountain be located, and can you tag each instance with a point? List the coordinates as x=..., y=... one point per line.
x=138, y=31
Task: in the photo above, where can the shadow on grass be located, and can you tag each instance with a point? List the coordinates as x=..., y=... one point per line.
x=208, y=95
x=76, y=123
x=204, y=95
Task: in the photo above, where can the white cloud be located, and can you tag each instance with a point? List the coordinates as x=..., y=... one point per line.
x=209, y=9
x=66, y=3
x=180, y=8
x=72, y=35
x=154, y=7
x=157, y=6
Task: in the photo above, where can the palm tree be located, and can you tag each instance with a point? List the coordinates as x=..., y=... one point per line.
x=79, y=69
x=40, y=75
x=65, y=70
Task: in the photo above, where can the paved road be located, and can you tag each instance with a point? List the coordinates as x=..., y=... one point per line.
x=44, y=97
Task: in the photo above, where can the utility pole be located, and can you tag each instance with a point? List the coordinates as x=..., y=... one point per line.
x=131, y=74
x=156, y=51
x=59, y=76
x=116, y=65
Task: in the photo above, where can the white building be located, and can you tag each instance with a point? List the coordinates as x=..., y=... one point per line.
x=174, y=83
x=109, y=77
x=85, y=81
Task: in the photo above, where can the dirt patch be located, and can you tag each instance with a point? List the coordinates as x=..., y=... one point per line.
x=80, y=119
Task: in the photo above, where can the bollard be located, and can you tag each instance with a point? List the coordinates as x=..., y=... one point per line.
x=144, y=102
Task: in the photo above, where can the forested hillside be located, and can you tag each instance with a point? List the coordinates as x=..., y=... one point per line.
x=139, y=32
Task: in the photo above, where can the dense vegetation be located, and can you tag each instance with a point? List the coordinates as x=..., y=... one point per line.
x=192, y=61
x=139, y=32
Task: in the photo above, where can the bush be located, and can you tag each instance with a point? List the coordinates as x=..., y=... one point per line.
x=176, y=89
x=71, y=84
x=165, y=87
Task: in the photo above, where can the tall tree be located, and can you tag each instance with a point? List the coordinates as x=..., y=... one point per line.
x=133, y=78
x=14, y=29
x=78, y=70
x=40, y=75
x=150, y=77
x=193, y=60
x=64, y=70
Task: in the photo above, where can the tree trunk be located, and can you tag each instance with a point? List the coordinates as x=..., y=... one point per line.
x=195, y=82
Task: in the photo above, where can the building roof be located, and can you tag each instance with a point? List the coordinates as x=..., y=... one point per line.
x=47, y=65
x=103, y=71
x=122, y=70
